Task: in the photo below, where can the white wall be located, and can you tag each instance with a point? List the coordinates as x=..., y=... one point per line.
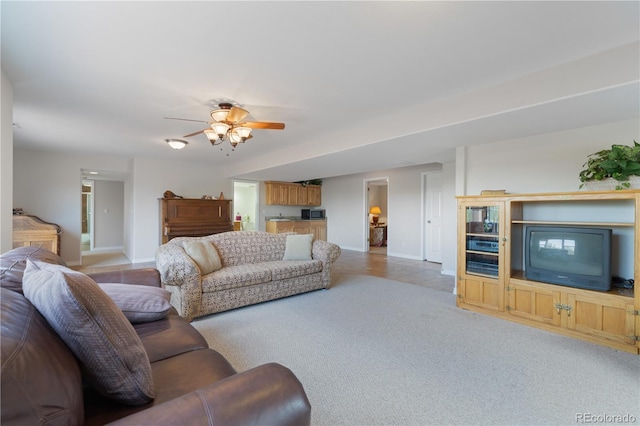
x=6, y=164
x=449, y=220
x=151, y=178
x=344, y=198
x=48, y=185
x=543, y=163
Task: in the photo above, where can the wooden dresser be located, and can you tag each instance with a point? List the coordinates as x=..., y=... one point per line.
x=193, y=217
x=31, y=231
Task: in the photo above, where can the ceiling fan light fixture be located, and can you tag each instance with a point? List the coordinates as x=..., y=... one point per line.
x=220, y=114
x=212, y=136
x=220, y=129
x=243, y=132
x=176, y=143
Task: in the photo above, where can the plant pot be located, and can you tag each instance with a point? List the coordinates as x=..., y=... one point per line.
x=610, y=184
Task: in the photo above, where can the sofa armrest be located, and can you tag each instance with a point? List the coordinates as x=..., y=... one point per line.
x=325, y=251
x=180, y=275
x=146, y=276
x=175, y=265
x=266, y=395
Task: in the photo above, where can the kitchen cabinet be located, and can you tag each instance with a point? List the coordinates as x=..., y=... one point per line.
x=293, y=194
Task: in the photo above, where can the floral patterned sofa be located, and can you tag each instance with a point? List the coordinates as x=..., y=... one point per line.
x=232, y=269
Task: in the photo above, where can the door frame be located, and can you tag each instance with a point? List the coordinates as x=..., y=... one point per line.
x=257, y=219
x=365, y=209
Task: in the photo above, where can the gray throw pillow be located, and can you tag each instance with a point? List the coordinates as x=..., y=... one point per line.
x=298, y=247
x=204, y=254
x=96, y=331
x=139, y=303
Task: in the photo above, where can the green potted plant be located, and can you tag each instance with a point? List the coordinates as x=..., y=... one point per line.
x=619, y=164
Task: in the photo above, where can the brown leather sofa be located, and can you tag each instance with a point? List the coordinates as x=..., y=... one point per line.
x=42, y=382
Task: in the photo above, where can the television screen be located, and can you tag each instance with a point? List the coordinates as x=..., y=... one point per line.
x=578, y=257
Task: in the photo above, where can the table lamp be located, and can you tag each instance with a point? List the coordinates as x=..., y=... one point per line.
x=375, y=211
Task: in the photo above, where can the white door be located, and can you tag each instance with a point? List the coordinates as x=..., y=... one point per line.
x=433, y=216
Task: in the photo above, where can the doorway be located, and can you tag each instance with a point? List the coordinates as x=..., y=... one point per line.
x=102, y=218
x=432, y=220
x=245, y=205
x=377, y=214
x=87, y=216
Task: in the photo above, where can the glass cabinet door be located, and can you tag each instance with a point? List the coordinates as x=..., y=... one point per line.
x=482, y=241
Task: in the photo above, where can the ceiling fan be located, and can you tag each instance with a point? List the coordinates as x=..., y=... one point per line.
x=226, y=124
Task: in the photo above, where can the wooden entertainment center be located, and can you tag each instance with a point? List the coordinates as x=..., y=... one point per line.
x=491, y=280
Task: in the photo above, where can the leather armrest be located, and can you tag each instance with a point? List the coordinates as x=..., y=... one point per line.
x=147, y=276
x=266, y=395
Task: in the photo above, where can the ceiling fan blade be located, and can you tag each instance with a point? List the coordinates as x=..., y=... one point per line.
x=185, y=119
x=236, y=114
x=264, y=125
x=196, y=133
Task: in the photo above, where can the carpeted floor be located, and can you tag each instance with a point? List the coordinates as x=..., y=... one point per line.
x=371, y=351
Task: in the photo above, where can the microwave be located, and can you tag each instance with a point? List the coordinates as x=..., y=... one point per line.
x=313, y=214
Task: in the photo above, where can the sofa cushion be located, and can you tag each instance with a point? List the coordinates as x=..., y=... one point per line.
x=40, y=377
x=236, y=276
x=243, y=247
x=285, y=269
x=298, y=247
x=204, y=254
x=169, y=337
x=95, y=330
x=174, y=377
x=14, y=262
x=139, y=303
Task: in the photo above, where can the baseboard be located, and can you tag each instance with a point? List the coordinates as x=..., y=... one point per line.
x=145, y=260
x=448, y=272
x=404, y=256
x=114, y=249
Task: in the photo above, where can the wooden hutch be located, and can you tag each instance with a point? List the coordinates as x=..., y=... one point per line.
x=490, y=277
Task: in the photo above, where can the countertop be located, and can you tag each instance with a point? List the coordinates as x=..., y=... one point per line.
x=290, y=219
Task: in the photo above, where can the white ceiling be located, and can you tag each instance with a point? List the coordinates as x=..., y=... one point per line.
x=361, y=86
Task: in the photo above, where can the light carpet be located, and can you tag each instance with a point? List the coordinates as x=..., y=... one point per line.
x=371, y=351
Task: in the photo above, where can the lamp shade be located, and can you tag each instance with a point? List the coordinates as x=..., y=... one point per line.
x=243, y=132
x=375, y=210
x=220, y=114
x=176, y=143
x=220, y=129
x=212, y=136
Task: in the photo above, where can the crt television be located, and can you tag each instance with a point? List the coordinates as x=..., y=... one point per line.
x=569, y=255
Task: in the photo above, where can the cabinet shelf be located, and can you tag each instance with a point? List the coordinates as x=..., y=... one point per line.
x=550, y=222
x=487, y=253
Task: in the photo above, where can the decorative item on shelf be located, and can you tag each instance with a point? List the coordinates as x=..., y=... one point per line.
x=207, y=197
x=615, y=168
x=169, y=195
x=221, y=197
x=375, y=211
x=238, y=217
x=310, y=182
